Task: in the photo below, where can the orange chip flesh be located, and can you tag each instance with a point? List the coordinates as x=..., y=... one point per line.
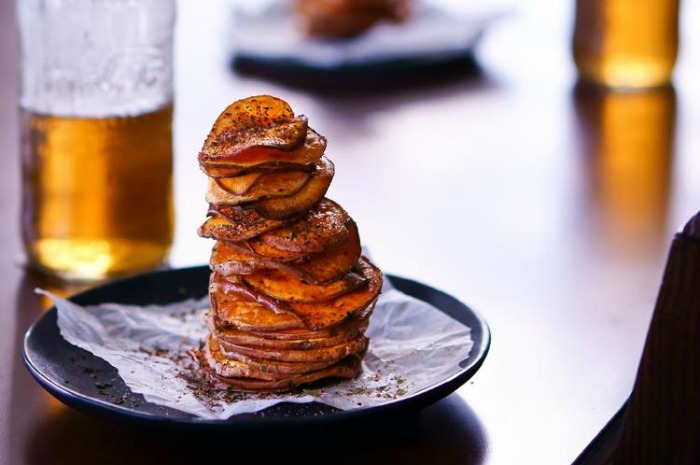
x=310, y=151
x=327, y=355
x=260, y=121
x=287, y=287
x=241, y=310
x=254, y=186
x=321, y=315
x=274, y=369
x=310, y=340
x=347, y=368
x=306, y=198
x=231, y=259
x=251, y=316
x=226, y=366
x=283, y=256
x=316, y=231
x=237, y=185
x=223, y=170
x=236, y=224
x=334, y=261
x=234, y=288
x=296, y=334
x=247, y=372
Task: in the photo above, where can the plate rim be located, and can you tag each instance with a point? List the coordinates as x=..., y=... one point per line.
x=89, y=404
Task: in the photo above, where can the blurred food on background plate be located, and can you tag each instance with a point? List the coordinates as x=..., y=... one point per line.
x=347, y=18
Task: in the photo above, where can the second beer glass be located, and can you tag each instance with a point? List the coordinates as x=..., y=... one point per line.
x=626, y=43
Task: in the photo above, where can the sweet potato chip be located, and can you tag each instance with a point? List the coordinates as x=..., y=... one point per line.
x=226, y=364
x=332, y=312
x=250, y=315
x=333, y=262
x=223, y=170
x=266, y=251
x=306, y=198
x=228, y=368
x=347, y=368
x=350, y=331
x=290, y=288
x=263, y=185
x=266, y=158
x=230, y=259
x=360, y=322
x=325, y=354
x=261, y=121
x=230, y=223
x=273, y=368
x=237, y=185
x=233, y=288
x=294, y=182
x=318, y=230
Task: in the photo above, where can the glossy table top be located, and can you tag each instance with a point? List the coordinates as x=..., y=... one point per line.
x=546, y=206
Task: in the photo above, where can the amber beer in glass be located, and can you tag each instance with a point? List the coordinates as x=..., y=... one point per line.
x=96, y=123
x=626, y=43
x=629, y=144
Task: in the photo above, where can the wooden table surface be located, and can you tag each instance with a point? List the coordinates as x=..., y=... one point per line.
x=547, y=207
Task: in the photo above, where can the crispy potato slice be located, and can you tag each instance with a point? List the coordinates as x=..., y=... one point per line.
x=311, y=149
x=266, y=251
x=287, y=287
x=267, y=158
x=260, y=121
x=235, y=259
x=263, y=185
x=321, y=315
x=235, y=224
x=318, y=230
x=273, y=368
x=255, y=117
x=306, y=198
x=233, y=288
x=229, y=259
x=347, y=368
x=350, y=331
x=360, y=321
x=333, y=262
x=237, y=308
x=237, y=185
x=223, y=170
x=218, y=196
x=325, y=354
x=250, y=315
x=226, y=366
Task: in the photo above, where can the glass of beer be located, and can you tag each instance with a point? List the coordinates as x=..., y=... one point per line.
x=626, y=43
x=96, y=103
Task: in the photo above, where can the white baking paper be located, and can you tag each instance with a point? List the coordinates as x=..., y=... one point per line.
x=412, y=346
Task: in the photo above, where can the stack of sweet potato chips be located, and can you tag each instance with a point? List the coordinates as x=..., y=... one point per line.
x=291, y=295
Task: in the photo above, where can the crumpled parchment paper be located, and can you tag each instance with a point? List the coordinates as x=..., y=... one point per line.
x=412, y=346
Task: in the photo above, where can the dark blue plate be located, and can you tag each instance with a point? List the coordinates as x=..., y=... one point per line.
x=90, y=384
